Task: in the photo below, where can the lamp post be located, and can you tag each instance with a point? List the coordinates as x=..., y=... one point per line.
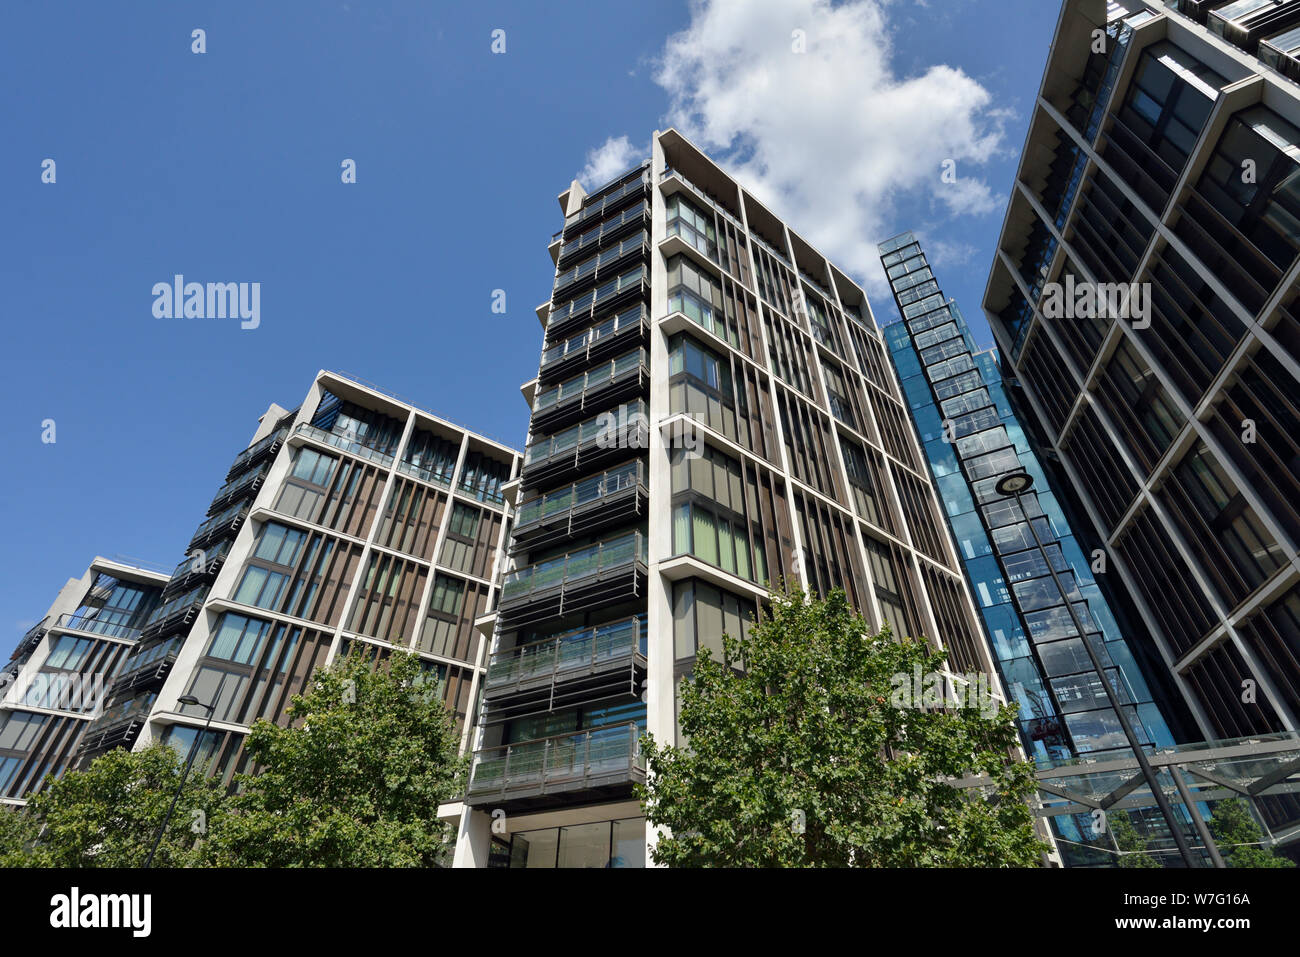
x=189, y=763
x=1016, y=484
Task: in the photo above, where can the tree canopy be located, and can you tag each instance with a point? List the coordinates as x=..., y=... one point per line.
x=356, y=778
x=804, y=757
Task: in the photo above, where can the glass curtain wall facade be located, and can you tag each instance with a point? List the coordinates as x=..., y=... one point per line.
x=56, y=682
x=355, y=519
x=972, y=438
x=715, y=412
x=1144, y=296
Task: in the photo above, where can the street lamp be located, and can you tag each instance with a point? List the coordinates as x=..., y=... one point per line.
x=1016, y=484
x=188, y=699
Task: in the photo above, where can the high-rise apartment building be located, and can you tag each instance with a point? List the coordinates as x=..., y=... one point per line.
x=1143, y=296
x=57, y=676
x=356, y=518
x=714, y=410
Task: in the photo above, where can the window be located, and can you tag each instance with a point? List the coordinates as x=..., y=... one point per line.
x=1236, y=549
x=602, y=844
x=458, y=549
x=68, y=653
x=313, y=466
x=702, y=614
x=441, y=634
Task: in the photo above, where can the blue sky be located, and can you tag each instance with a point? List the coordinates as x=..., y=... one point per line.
x=225, y=166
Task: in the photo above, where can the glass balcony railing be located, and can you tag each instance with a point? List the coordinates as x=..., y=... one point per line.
x=87, y=621
x=572, y=389
x=583, y=341
x=610, y=199
x=428, y=473
x=565, y=762
x=605, y=427
x=216, y=522
x=590, y=300
x=591, y=239
x=148, y=660
x=670, y=173
x=554, y=657
x=256, y=449
x=579, y=494
x=345, y=443
x=132, y=710
x=231, y=490
x=592, y=267
x=573, y=568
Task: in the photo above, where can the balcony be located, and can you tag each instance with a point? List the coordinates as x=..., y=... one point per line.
x=436, y=476
x=608, y=203
x=614, y=497
x=27, y=644
x=118, y=726
x=596, y=343
x=614, y=381
x=245, y=486
x=343, y=443
x=189, y=573
x=671, y=179
x=219, y=526
x=175, y=616
x=88, y=623
x=1245, y=24
x=256, y=452
x=593, y=664
x=597, y=442
x=600, y=574
x=610, y=296
x=601, y=265
x=147, y=668
x=1282, y=53
x=631, y=219
x=590, y=765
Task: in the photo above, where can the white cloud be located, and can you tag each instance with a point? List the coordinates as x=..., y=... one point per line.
x=833, y=138
x=616, y=155
x=941, y=252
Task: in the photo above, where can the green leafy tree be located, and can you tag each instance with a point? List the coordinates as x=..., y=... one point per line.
x=1131, y=844
x=803, y=760
x=18, y=833
x=1239, y=837
x=354, y=780
x=108, y=814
